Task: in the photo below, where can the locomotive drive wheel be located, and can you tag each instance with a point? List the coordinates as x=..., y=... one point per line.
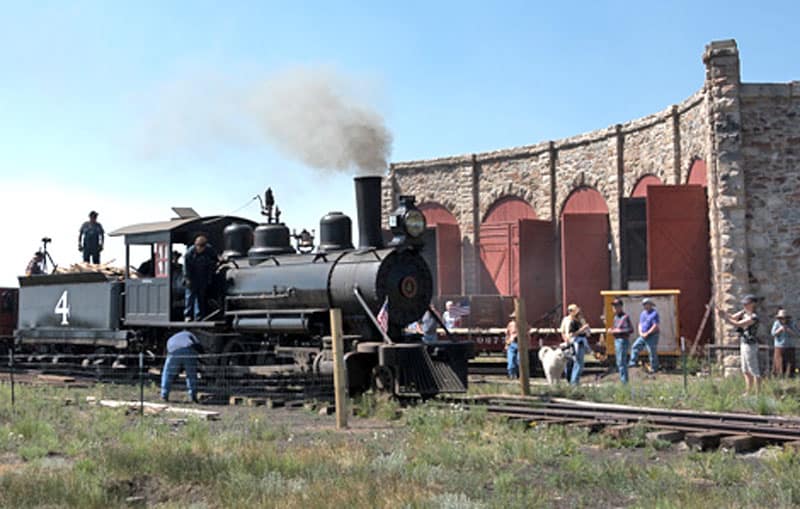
x=382, y=379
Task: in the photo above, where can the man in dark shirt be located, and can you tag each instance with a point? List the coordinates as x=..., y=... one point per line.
x=182, y=351
x=199, y=266
x=90, y=239
x=34, y=267
x=621, y=330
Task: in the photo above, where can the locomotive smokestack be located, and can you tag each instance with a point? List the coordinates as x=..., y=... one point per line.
x=368, y=203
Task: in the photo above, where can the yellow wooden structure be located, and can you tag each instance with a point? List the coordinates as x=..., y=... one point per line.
x=667, y=304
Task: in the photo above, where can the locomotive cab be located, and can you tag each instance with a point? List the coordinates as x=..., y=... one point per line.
x=155, y=297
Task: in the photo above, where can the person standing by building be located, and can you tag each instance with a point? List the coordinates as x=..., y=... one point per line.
x=182, y=351
x=512, y=348
x=575, y=331
x=34, y=267
x=621, y=329
x=746, y=323
x=648, y=335
x=784, y=331
x=199, y=267
x=90, y=239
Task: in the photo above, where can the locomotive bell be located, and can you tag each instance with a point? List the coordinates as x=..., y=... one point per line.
x=407, y=223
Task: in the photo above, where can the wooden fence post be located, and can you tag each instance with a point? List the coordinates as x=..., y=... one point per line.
x=339, y=380
x=523, y=342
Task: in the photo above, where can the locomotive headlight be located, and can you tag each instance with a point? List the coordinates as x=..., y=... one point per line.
x=415, y=223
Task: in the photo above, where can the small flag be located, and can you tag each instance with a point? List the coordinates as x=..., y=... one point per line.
x=460, y=309
x=383, y=316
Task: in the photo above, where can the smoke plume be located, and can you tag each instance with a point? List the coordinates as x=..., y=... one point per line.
x=313, y=115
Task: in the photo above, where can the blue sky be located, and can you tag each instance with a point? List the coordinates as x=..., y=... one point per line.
x=81, y=80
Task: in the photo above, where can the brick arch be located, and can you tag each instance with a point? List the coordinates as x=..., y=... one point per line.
x=585, y=199
x=510, y=190
x=698, y=172
x=436, y=213
x=583, y=181
x=509, y=208
x=645, y=181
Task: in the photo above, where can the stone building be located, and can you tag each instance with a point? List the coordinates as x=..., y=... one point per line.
x=558, y=221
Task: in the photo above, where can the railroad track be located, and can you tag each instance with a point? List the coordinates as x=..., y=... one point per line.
x=706, y=430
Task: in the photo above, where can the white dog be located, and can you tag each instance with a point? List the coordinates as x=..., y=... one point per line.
x=553, y=361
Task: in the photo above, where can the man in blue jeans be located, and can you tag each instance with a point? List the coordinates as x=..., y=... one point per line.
x=182, y=350
x=648, y=335
x=621, y=330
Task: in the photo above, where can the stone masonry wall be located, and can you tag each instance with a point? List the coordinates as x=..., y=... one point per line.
x=610, y=160
x=771, y=149
x=748, y=135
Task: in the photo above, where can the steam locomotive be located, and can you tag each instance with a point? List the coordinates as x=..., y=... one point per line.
x=271, y=297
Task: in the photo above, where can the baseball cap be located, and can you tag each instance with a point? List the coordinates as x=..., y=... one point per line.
x=617, y=302
x=749, y=298
x=648, y=300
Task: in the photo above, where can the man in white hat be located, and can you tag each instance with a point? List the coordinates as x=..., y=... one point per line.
x=648, y=335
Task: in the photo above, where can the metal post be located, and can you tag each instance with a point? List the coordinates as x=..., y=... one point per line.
x=11, y=366
x=339, y=380
x=523, y=342
x=685, y=369
x=141, y=383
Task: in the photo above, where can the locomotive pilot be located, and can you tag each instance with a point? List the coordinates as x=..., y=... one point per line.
x=199, y=266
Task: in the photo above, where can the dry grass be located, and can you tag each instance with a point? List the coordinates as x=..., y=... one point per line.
x=53, y=455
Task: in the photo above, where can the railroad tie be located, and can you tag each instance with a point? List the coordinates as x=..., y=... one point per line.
x=704, y=440
x=741, y=443
x=665, y=435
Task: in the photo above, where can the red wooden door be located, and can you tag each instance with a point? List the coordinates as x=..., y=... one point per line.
x=497, y=252
x=585, y=262
x=448, y=254
x=537, y=267
x=678, y=249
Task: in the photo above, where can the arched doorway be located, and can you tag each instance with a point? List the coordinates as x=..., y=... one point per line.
x=633, y=234
x=640, y=189
x=442, y=248
x=697, y=173
x=516, y=251
x=585, y=258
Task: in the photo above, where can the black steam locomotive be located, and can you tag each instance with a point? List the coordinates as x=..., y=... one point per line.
x=271, y=297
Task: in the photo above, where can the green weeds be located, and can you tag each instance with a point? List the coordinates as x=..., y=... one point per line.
x=428, y=456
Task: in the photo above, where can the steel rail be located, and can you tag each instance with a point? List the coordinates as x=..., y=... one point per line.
x=683, y=423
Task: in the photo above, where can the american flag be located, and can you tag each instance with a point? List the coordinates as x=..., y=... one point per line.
x=460, y=309
x=383, y=316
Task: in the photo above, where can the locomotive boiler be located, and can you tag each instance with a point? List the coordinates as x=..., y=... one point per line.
x=272, y=291
x=270, y=296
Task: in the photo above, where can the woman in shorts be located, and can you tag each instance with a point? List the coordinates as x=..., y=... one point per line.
x=746, y=323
